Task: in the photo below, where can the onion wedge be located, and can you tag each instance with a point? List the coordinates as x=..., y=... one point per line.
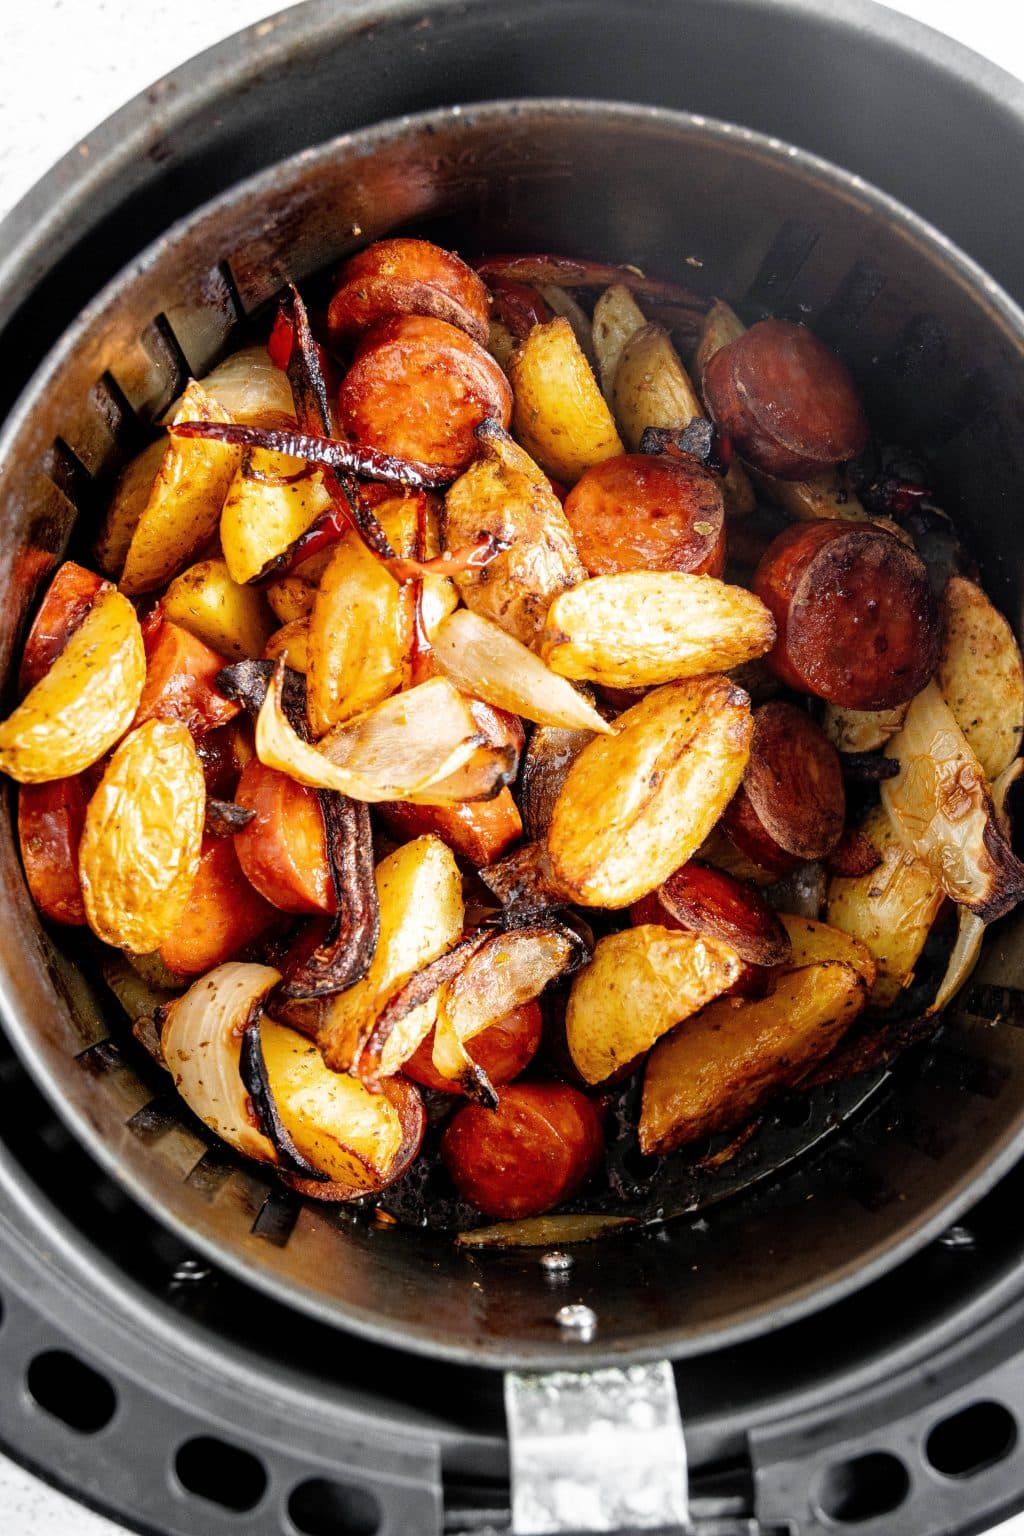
x=492, y=665
x=942, y=811
x=404, y=749
x=201, y=1037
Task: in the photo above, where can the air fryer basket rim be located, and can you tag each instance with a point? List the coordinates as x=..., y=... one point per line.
x=1011, y=322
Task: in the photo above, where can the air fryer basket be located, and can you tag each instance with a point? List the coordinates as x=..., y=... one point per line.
x=939, y=352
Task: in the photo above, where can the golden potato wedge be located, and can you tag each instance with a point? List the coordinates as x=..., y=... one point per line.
x=981, y=675
x=265, y=510
x=232, y=620
x=559, y=415
x=813, y=942
x=861, y=730
x=617, y=317
x=185, y=503
x=651, y=386
x=637, y=629
x=505, y=494
x=721, y=325
x=636, y=805
x=139, y=853
x=132, y=491
x=291, y=642
x=561, y=302
x=729, y=1060
x=292, y=596
x=84, y=703
x=941, y=807
x=357, y=641
x=420, y=893
x=890, y=911
x=641, y=983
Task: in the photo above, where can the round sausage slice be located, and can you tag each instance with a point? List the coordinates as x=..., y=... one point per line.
x=407, y=277
x=648, y=512
x=503, y=1051
x=856, y=620
x=792, y=786
x=418, y=388
x=785, y=400
x=528, y=1155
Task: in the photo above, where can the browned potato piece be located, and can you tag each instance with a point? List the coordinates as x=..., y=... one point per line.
x=131, y=493
x=356, y=641
x=813, y=942
x=638, y=804
x=84, y=703
x=185, y=502
x=980, y=675
x=505, y=494
x=637, y=629
x=721, y=326
x=617, y=317
x=824, y=495
x=559, y=414
x=736, y=1055
x=292, y=642
x=292, y=596
x=232, y=620
x=640, y=984
x=652, y=388
x=861, y=730
x=890, y=910
x=139, y=854
x=266, y=509
x=420, y=894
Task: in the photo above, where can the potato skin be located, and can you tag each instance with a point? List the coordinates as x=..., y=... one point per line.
x=980, y=675
x=640, y=984
x=734, y=1056
x=637, y=804
x=637, y=629
x=528, y=1155
x=84, y=703
x=560, y=415
x=139, y=854
x=505, y=494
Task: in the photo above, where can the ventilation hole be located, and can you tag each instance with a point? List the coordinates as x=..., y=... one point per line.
x=276, y=1220
x=71, y=1391
x=321, y=1507
x=787, y=254
x=969, y=1441
x=864, y=1488
x=220, y=1473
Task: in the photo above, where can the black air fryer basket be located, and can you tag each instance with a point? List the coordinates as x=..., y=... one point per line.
x=189, y=1346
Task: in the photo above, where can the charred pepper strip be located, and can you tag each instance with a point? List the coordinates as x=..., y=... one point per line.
x=351, y=939
x=358, y=460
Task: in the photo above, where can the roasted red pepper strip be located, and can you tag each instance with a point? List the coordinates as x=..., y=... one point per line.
x=369, y=462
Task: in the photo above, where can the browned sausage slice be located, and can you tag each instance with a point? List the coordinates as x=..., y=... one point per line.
x=418, y=388
x=793, y=784
x=648, y=512
x=407, y=277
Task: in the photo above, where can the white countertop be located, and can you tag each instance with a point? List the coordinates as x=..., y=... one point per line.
x=67, y=64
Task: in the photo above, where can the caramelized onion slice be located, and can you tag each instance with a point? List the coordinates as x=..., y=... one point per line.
x=250, y=389
x=507, y=970
x=404, y=749
x=492, y=665
x=942, y=811
x=201, y=1037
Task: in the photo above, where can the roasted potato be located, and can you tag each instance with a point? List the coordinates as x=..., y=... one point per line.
x=642, y=628
x=420, y=892
x=814, y=942
x=290, y=642
x=636, y=805
x=506, y=495
x=617, y=318
x=890, y=911
x=651, y=387
x=980, y=675
x=292, y=596
x=185, y=502
x=559, y=414
x=131, y=493
x=735, y=1055
x=861, y=730
x=230, y=619
x=357, y=597
x=265, y=509
x=140, y=848
x=84, y=703
x=640, y=984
